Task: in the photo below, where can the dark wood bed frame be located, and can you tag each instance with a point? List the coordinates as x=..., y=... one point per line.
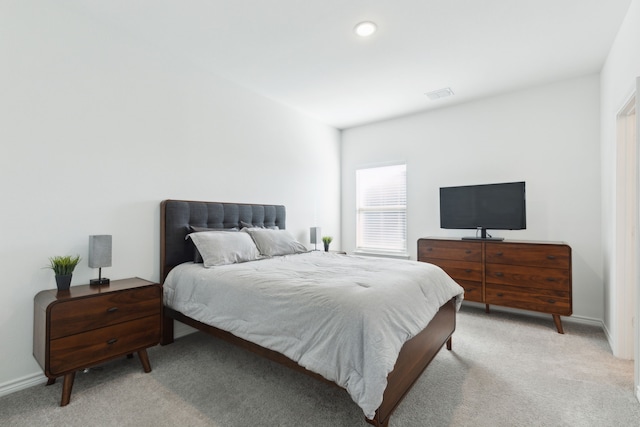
x=176, y=217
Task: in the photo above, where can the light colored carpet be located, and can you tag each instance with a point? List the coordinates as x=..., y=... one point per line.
x=505, y=370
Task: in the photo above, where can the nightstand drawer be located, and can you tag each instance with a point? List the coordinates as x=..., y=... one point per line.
x=83, y=314
x=77, y=351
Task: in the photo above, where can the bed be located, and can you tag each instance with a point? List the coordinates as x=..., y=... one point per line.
x=297, y=274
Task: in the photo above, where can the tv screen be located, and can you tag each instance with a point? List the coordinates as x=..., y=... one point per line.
x=491, y=206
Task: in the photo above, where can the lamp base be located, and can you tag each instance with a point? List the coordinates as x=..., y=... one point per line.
x=99, y=282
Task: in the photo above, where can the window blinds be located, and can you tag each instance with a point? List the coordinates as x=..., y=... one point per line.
x=381, y=194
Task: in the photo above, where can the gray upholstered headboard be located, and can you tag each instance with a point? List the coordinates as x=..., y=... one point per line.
x=177, y=216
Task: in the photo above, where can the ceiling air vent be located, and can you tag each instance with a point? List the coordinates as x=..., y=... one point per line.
x=440, y=93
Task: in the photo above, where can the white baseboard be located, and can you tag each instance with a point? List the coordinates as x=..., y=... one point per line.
x=638, y=393
x=22, y=383
x=569, y=319
x=39, y=378
x=181, y=330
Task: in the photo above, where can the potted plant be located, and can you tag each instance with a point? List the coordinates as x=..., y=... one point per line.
x=63, y=267
x=326, y=240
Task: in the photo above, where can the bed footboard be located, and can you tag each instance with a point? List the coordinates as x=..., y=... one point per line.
x=415, y=356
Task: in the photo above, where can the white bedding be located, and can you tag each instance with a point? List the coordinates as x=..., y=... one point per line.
x=343, y=317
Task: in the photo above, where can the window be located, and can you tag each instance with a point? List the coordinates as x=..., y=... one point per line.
x=381, y=217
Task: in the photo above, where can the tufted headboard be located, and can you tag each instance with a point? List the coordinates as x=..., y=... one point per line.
x=176, y=217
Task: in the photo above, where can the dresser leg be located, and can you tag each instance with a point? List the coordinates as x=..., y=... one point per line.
x=486, y=308
x=51, y=381
x=449, y=343
x=558, y=322
x=67, y=385
x=144, y=359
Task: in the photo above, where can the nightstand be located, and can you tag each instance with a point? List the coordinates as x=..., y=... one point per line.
x=88, y=325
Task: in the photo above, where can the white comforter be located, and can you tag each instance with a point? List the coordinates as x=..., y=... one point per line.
x=343, y=317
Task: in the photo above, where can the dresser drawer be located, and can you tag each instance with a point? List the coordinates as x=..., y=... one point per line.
x=539, y=255
x=447, y=249
x=472, y=290
x=544, y=300
x=83, y=314
x=459, y=270
x=528, y=277
x=77, y=351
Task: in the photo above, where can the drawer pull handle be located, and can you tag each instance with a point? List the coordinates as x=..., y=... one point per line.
x=429, y=249
x=112, y=341
x=499, y=274
x=499, y=253
x=550, y=279
x=468, y=270
x=551, y=301
x=551, y=257
x=468, y=251
x=500, y=294
x=112, y=309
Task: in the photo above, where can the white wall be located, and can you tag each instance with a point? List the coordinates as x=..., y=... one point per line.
x=97, y=128
x=547, y=136
x=618, y=82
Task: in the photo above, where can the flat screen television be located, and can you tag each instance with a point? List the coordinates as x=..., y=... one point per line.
x=482, y=207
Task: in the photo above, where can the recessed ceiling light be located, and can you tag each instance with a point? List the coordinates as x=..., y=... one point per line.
x=440, y=93
x=365, y=29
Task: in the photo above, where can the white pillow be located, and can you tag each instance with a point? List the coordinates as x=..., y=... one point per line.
x=222, y=247
x=275, y=242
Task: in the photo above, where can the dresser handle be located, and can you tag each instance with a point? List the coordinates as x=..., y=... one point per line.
x=112, y=309
x=499, y=274
x=551, y=301
x=112, y=341
x=468, y=270
x=500, y=294
x=429, y=249
x=550, y=279
x=551, y=257
x=468, y=251
x=499, y=253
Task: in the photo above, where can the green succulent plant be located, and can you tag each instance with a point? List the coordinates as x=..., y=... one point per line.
x=327, y=239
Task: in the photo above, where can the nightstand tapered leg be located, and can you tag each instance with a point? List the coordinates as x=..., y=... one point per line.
x=144, y=359
x=67, y=385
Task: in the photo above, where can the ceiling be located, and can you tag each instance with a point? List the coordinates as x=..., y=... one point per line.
x=304, y=53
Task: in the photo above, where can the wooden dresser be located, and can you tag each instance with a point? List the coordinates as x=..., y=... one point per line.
x=527, y=275
x=87, y=325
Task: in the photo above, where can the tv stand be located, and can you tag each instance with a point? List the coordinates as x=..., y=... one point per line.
x=526, y=275
x=483, y=235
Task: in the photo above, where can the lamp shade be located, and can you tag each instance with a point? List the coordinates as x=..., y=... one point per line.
x=315, y=235
x=100, y=251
